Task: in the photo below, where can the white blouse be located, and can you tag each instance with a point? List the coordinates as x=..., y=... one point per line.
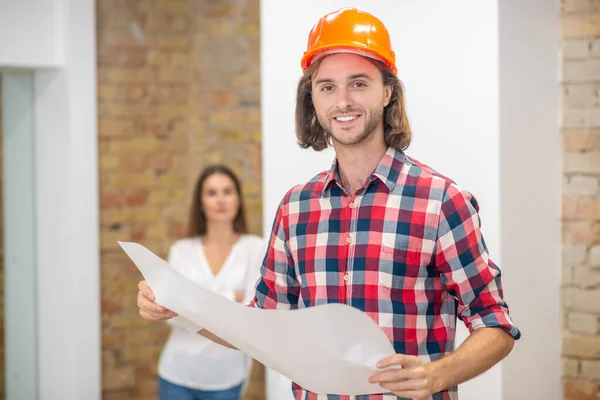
x=189, y=359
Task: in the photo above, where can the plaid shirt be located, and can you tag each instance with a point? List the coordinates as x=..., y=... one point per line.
x=406, y=249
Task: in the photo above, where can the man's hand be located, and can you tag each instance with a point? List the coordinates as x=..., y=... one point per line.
x=412, y=380
x=148, y=308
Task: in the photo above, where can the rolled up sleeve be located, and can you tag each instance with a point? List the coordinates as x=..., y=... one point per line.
x=466, y=270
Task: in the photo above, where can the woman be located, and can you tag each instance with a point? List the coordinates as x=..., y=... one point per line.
x=220, y=255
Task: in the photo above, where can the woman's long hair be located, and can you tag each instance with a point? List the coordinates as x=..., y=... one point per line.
x=197, y=219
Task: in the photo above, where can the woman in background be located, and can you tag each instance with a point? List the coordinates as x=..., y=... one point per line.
x=220, y=255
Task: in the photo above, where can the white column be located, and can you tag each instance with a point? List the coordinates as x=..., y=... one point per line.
x=482, y=97
x=55, y=40
x=67, y=215
x=530, y=187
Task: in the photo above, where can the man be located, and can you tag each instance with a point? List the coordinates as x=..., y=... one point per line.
x=380, y=231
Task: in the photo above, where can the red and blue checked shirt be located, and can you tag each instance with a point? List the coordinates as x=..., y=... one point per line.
x=406, y=249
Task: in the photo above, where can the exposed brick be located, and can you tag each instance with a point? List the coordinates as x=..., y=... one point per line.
x=179, y=102
x=584, y=347
x=108, y=162
x=224, y=9
x=136, y=197
x=129, y=180
x=118, y=378
x=173, y=75
x=158, y=22
x=141, y=145
x=124, y=40
x=574, y=6
x=122, y=57
x=117, y=395
x=138, y=234
x=136, y=353
x=586, y=277
x=144, y=215
x=581, y=25
x=590, y=370
x=570, y=367
x=580, y=389
x=134, y=92
x=110, y=305
x=110, y=199
x=157, y=232
x=581, y=208
x=580, y=185
x=587, y=301
x=586, y=324
x=581, y=118
x=568, y=276
x=574, y=255
x=108, y=238
x=129, y=75
x=580, y=95
x=115, y=128
x=177, y=229
x=108, y=92
x=594, y=257
x=224, y=99
x=173, y=7
x=582, y=162
x=133, y=163
x=126, y=110
x=577, y=48
x=168, y=58
x=112, y=340
x=160, y=197
x=248, y=28
x=174, y=42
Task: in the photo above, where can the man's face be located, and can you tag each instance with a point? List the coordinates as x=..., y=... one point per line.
x=349, y=98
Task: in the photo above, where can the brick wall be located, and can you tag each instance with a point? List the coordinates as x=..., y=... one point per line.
x=178, y=88
x=581, y=199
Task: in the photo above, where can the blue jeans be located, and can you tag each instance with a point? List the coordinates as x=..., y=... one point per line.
x=171, y=391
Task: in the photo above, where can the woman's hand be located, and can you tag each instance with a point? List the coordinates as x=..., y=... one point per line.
x=148, y=308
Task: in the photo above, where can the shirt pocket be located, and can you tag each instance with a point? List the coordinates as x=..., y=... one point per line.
x=400, y=263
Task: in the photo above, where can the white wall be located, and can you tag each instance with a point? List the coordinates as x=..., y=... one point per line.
x=32, y=33
x=67, y=299
x=530, y=184
x=449, y=60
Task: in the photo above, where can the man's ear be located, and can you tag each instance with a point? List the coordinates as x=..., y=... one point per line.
x=387, y=91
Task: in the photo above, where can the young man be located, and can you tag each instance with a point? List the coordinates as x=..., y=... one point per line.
x=379, y=231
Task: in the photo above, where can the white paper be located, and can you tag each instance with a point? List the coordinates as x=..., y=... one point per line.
x=327, y=349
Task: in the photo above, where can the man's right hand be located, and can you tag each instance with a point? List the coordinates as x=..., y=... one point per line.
x=148, y=308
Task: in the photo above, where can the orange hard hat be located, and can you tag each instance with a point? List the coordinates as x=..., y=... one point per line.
x=352, y=31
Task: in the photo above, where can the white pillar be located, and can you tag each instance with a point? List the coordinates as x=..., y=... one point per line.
x=482, y=92
x=55, y=41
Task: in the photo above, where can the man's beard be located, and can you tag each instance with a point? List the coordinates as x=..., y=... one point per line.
x=373, y=119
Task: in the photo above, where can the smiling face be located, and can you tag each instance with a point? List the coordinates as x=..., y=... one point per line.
x=349, y=98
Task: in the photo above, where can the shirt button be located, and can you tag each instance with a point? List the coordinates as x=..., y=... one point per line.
x=352, y=205
x=346, y=277
x=348, y=240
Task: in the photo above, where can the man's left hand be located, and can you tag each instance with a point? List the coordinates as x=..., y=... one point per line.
x=413, y=380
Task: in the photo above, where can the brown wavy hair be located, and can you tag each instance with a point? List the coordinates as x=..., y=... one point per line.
x=310, y=133
x=197, y=221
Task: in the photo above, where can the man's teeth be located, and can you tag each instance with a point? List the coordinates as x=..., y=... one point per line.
x=346, y=119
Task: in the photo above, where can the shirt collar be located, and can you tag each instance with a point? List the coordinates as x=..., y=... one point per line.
x=387, y=171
